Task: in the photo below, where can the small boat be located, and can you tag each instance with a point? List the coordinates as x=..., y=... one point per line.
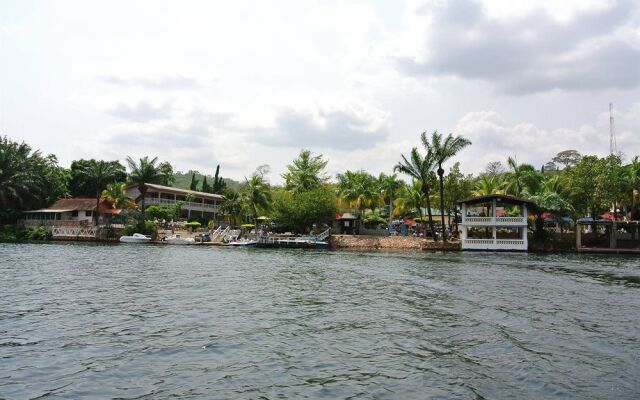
x=136, y=238
x=177, y=239
x=243, y=243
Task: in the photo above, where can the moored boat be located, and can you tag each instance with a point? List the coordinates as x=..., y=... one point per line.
x=177, y=239
x=135, y=238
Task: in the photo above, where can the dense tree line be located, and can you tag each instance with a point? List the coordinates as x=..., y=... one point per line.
x=568, y=185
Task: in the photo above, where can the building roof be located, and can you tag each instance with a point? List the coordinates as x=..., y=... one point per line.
x=183, y=192
x=77, y=204
x=490, y=197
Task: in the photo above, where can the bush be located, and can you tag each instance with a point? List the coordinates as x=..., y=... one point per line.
x=39, y=233
x=193, y=225
x=159, y=212
x=11, y=233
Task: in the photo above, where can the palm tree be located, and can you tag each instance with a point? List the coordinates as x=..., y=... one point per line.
x=358, y=189
x=305, y=173
x=389, y=186
x=633, y=172
x=99, y=173
x=257, y=195
x=488, y=184
x=115, y=194
x=520, y=177
x=147, y=171
x=232, y=206
x=442, y=151
x=410, y=198
x=421, y=169
x=17, y=181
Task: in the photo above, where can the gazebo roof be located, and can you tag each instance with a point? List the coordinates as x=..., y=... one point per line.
x=499, y=197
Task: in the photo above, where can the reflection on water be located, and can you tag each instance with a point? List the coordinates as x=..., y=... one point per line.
x=89, y=321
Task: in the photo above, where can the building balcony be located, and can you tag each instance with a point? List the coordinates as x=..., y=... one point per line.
x=494, y=221
x=186, y=205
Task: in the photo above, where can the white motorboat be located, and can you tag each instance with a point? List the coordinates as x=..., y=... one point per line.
x=177, y=239
x=136, y=238
x=243, y=243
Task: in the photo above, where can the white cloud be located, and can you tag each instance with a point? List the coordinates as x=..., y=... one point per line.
x=597, y=48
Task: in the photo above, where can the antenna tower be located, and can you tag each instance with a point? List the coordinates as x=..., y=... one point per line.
x=613, y=146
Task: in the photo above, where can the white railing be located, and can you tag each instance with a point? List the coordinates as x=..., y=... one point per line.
x=324, y=234
x=74, y=231
x=494, y=244
x=498, y=221
x=186, y=205
x=218, y=235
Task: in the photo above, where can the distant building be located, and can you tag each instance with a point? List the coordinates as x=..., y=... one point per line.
x=76, y=211
x=494, y=222
x=204, y=205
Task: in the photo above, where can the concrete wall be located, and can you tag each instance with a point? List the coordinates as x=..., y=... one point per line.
x=387, y=242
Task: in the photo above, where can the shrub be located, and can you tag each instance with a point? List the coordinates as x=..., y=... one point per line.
x=193, y=225
x=39, y=233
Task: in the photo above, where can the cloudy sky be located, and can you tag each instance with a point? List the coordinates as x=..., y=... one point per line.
x=246, y=83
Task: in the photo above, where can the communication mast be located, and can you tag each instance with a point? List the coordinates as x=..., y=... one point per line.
x=613, y=146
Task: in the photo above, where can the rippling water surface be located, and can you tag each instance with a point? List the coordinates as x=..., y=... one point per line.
x=157, y=322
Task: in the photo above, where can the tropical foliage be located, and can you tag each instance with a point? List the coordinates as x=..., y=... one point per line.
x=28, y=180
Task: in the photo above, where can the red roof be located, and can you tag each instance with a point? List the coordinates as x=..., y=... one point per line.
x=82, y=204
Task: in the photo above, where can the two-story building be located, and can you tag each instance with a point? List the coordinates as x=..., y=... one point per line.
x=494, y=222
x=201, y=205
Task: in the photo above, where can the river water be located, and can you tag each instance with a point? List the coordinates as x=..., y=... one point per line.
x=158, y=322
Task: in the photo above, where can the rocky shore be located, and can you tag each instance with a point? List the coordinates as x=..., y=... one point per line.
x=365, y=242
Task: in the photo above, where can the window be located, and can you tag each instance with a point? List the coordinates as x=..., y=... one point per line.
x=74, y=213
x=88, y=213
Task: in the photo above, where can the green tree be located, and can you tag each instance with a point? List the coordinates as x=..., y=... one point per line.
x=488, y=184
x=167, y=176
x=567, y=158
x=146, y=171
x=79, y=183
x=410, y=199
x=232, y=206
x=520, y=177
x=205, y=186
x=582, y=185
x=420, y=169
x=300, y=210
x=257, y=195
x=98, y=174
x=218, y=183
x=115, y=195
x=358, y=189
x=27, y=179
x=389, y=186
x=305, y=172
x=457, y=187
x=443, y=150
x=194, y=182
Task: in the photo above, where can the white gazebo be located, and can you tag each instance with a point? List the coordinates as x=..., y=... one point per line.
x=494, y=222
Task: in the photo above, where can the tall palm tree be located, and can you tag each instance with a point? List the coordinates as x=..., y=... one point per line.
x=421, y=169
x=257, y=195
x=146, y=171
x=389, y=186
x=305, y=172
x=443, y=150
x=99, y=173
